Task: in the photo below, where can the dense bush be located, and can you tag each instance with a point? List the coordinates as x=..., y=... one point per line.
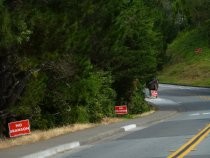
x=137, y=104
x=82, y=57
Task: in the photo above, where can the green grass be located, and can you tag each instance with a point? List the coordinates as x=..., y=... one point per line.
x=185, y=66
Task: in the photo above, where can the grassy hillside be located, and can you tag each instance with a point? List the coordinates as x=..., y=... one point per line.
x=185, y=66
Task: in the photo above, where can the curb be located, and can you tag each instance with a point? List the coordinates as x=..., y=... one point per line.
x=75, y=144
x=72, y=145
x=53, y=151
x=101, y=136
x=129, y=127
x=64, y=147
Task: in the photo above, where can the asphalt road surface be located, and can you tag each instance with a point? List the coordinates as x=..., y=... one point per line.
x=184, y=135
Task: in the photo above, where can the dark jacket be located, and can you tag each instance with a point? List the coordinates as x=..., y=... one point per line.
x=153, y=85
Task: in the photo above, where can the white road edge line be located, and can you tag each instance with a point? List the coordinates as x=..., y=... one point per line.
x=129, y=127
x=196, y=114
x=53, y=151
x=206, y=113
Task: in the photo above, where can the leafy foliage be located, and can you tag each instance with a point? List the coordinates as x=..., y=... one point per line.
x=137, y=104
x=84, y=57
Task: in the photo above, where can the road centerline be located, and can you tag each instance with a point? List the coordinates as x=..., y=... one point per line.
x=191, y=144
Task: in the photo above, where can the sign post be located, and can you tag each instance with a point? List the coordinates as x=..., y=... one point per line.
x=121, y=110
x=19, y=128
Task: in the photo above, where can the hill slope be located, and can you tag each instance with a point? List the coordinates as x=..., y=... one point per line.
x=186, y=65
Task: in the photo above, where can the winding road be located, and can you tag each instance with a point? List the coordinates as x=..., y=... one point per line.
x=183, y=135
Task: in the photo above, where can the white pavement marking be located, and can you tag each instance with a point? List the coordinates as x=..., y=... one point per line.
x=162, y=101
x=139, y=128
x=53, y=151
x=196, y=114
x=129, y=127
x=180, y=87
x=206, y=113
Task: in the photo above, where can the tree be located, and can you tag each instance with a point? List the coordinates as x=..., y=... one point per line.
x=79, y=53
x=196, y=12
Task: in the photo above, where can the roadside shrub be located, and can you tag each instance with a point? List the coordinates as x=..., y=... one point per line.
x=83, y=116
x=29, y=103
x=97, y=95
x=107, y=94
x=41, y=123
x=57, y=106
x=76, y=93
x=92, y=90
x=137, y=104
x=95, y=111
x=78, y=114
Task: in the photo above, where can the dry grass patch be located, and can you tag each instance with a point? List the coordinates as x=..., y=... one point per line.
x=36, y=136
x=108, y=120
x=144, y=114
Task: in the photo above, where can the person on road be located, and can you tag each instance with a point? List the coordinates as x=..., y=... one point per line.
x=152, y=85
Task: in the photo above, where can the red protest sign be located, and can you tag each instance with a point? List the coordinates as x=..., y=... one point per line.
x=120, y=110
x=154, y=93
x=198, y=50
x=19, y=128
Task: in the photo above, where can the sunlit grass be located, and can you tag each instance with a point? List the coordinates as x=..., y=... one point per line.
x=186, y=67
x=196, y=74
